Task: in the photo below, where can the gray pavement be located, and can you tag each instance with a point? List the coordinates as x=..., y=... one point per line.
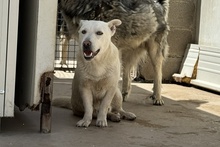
x=189, y=118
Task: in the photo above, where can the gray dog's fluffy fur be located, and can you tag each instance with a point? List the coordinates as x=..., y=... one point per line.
x=144, y=28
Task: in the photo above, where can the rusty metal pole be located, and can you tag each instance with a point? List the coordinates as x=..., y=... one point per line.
x=46, y=87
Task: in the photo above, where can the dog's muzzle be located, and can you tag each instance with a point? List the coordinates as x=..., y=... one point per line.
x=87, y=51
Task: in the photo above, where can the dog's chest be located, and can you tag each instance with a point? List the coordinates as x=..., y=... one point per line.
x=100, y=88
x=98, y=92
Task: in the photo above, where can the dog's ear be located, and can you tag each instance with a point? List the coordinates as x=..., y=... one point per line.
x=112, y=25
x=81, y=23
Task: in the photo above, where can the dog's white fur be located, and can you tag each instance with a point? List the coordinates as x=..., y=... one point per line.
x=95, y=91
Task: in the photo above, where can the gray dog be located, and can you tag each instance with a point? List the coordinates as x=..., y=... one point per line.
x=144, y=28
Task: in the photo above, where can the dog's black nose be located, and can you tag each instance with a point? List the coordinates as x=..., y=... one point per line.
x=86, y=44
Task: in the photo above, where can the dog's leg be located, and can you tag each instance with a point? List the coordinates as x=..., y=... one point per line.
x=88, y=108
x=104, y=107
x=156, y=56
x=64, y=45
x=114, y=117
x=117, y=108
x=126, y=80
x=129, y=59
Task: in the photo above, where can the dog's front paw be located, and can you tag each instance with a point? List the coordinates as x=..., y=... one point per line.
x=83, y=123
x=101, y=123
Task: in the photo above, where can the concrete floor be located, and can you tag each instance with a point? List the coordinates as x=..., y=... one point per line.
x=189, y=118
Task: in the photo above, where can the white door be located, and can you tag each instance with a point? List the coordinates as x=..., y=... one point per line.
x=8, y=49
x=3, y=48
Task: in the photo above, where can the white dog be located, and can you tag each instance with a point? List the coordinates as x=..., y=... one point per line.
x=95, y=91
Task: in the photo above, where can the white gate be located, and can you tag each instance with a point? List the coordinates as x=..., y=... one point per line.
x=8, y=47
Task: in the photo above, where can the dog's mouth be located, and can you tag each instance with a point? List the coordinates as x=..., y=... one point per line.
x=88, y=54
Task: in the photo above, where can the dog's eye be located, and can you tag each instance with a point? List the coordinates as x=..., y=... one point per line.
x=99, y=33
x=83, y=32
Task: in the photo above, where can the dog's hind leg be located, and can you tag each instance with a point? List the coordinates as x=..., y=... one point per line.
x=156, y=56
x=65, y=38
x=126, y=80
x=117, y=109
x=115, y=117
x=130, y=58
x=64, y=46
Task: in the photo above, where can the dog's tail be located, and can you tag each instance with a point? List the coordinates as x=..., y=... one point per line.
x=62, y=102
x=165, y=4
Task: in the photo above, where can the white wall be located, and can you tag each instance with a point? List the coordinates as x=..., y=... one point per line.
x=209, y=29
